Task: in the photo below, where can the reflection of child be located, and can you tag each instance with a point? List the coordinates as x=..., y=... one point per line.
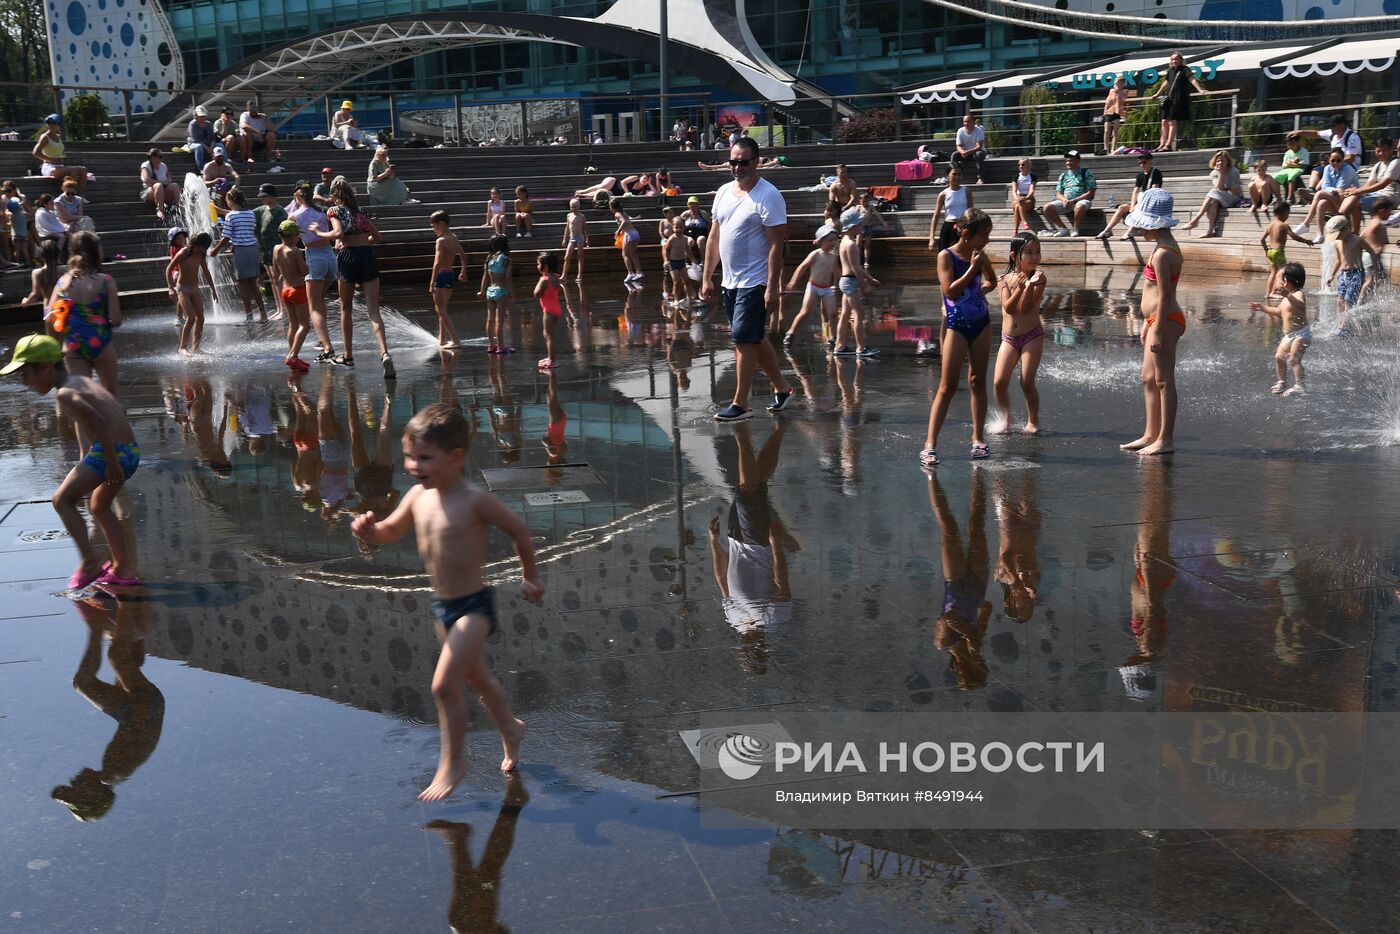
x=963, y=623
x=452, y=519
x=1018, y=567
x=1292, y=310
x=476, y=890
x=112, y=457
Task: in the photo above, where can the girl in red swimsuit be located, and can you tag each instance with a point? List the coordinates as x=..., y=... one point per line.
x=1165, y=322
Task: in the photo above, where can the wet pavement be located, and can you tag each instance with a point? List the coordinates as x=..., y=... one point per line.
x=243, y=738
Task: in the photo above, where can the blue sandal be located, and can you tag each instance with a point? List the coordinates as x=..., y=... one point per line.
x=928, y=458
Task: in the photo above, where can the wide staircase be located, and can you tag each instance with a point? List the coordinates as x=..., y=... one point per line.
x=459, y=181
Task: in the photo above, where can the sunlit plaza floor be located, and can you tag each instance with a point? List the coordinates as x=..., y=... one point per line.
x=259, y=771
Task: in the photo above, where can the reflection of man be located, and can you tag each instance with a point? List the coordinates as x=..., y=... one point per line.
x=750, y=561
x=134, y=702
x=476, y=889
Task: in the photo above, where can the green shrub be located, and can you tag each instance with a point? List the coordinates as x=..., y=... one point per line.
x=1142, y=126
x=1256, y=131
x=1055, y=123
x=1371, y=121
x=84, y=117
x=874, y=126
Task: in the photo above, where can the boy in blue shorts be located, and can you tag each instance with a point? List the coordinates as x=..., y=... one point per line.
x=452, y=519
x=447, y=252
x=112, y=457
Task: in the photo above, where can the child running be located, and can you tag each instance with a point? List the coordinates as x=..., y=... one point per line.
x=1348, y=272
x=575, y=239
x=820, y=268
x=289, y=272
x=1274, y=239
x=240, y=228
x=182, y=283
x=548, y=290
x=112, y=457
x=1022, y=336
x=446, y=253
x=84, y=309
x=1292, y=312
x=497, y=272
x=964, y=275
x=626, y=238
x=1166, y=322
x=854, y=278
x=452, y=519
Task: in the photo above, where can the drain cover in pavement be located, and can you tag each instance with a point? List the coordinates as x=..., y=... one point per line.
x=529, y=478
x=559, y=498
x=704, y=745
x=42, y=535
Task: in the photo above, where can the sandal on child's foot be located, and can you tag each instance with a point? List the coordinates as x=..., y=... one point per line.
x=344, y=360
x=980, y=452
x=1278, y=388
x=928, y=458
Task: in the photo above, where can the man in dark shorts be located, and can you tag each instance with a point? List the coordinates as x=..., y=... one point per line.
x=747, y=237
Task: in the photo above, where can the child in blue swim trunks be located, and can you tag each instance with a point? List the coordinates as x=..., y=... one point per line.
x=1348, y=272
x=964, y=275
x=446, y=254
x=112, y=457
x=452, y=519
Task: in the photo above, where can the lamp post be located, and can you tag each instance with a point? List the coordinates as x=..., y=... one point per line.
x=665, y=72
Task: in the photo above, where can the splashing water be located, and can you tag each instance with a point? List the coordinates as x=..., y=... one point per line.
x=1329, y=262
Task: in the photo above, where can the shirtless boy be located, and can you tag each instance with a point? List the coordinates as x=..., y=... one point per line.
x=1273, y=240
x=446, y=253
x=854, y=280
x=1292, y=311
x=452, y=519
x=112, y=457
x=843, y=190
x=820, y=268
x=289, y=269
x=1349, y=273
x=575, y=239
x=1375, y=235
x=182, y=282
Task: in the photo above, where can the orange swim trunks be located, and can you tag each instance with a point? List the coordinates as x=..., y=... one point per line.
x=294, y=296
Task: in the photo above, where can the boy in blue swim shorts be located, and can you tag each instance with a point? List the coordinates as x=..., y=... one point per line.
x=112, y=457
x=447, y=253
x=452, y=519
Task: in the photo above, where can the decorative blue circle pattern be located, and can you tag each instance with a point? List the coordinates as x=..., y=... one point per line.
x=77, y=18
x=102, y=45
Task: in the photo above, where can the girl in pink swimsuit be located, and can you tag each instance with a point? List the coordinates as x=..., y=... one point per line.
x=1022, y=335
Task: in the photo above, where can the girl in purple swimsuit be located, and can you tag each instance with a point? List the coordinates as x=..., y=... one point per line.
x=964, y=274
x=1022, y=336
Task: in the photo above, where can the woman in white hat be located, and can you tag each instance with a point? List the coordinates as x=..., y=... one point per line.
x=1165, y=321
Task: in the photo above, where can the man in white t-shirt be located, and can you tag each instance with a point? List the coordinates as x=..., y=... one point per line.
x=256, y=132
x=1344, y=138
x=971, y=147
x=1384, y=182
x=747, y=237
x=156, y=185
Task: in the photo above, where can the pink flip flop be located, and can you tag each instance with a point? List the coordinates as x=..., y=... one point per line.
x=110, y=579
x=81, y=579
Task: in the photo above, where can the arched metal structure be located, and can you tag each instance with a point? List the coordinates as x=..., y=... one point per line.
x=289, y=78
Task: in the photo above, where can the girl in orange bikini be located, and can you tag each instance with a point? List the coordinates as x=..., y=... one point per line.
x=1165, y=321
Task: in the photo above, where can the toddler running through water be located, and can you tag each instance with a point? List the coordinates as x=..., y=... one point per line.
x=964, y=274
x=548, y=290
x=1022, y=336
x=1292, y=311
x=497, y=272
x=820, y=267
x=1166, y=322
x=112, y=457
x=452, y=519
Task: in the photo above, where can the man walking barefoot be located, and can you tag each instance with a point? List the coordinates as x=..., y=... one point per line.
x=747, y=238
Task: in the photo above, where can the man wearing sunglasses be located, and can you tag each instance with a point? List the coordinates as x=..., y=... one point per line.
x=747, y=239
x=1332, y=183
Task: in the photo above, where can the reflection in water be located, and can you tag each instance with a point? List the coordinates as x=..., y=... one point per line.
x=1018, y=521
x=963, y=622
x=130, y=699
x=1154, y=571
x=476, y=889
x=750, y=562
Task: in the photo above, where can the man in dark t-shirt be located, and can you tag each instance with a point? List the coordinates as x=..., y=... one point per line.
x=1147, y=177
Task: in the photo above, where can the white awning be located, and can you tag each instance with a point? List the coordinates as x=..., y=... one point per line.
x=1350, y=57
x=961, y=89
x=1252, y=58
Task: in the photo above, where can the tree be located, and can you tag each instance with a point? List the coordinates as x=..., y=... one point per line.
x=24, y=61
x=85, y=116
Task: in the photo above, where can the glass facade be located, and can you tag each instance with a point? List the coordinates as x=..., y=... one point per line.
x=846, y=46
